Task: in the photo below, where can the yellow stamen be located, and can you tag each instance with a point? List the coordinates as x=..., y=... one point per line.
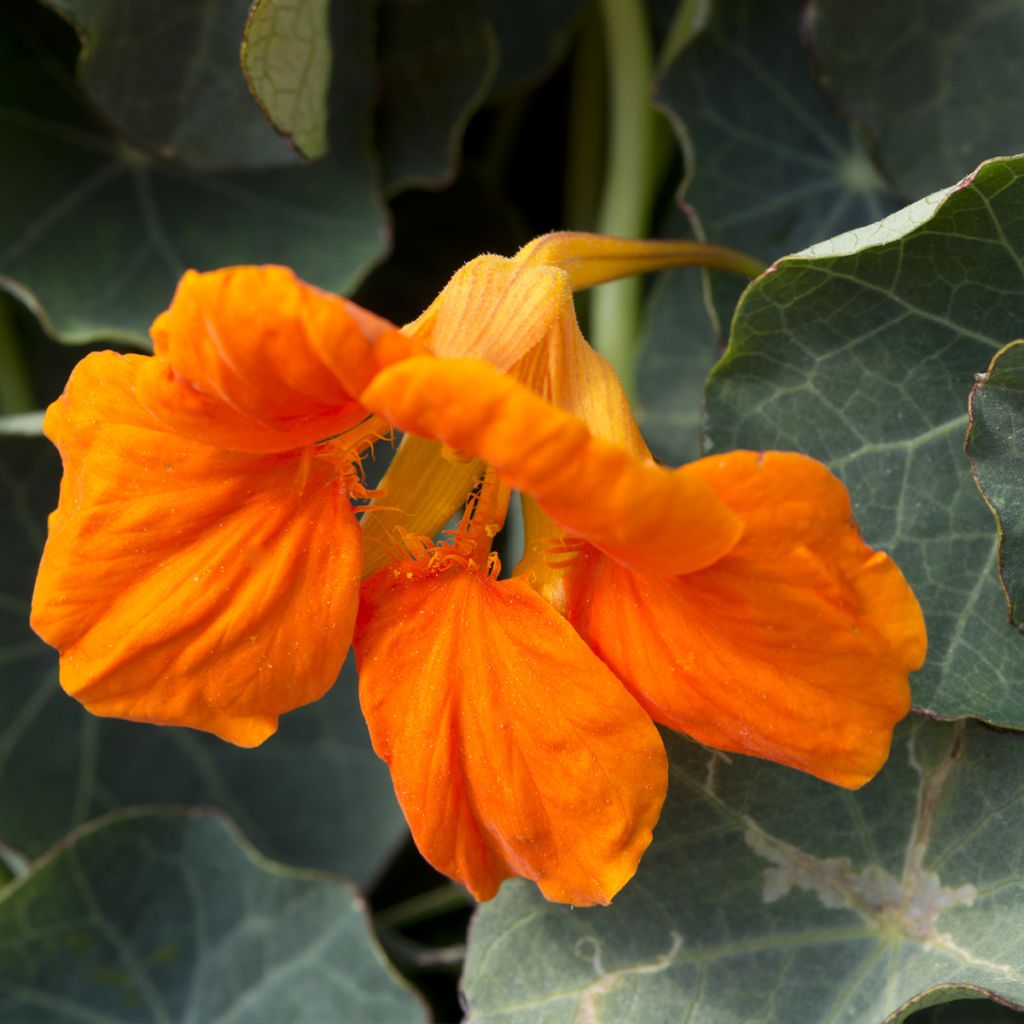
x=421, y=491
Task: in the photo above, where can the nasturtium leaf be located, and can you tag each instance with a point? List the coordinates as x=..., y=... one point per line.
x=937, y=83
x=533, y=36
x=679, y=348
x=156, y=917
x=286, y=57
x=972, y=1009
x=861, y=352
x=770, y=896
x=167, y=76
x=995, y=446
x=436, y=61
x=95, y=233
x=770, y=164
x=313, y=795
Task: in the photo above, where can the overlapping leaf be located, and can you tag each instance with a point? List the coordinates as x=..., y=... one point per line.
x=532, y=35
x=771, y=168
x=313, y=795
x=97, y=232
x=436, y=60
x=286, y=57
x=197, y=109
x=862, y=352
x=680, y=347
x=995, y=445
x=771, y=896
x=937, y=83
x=159, y=917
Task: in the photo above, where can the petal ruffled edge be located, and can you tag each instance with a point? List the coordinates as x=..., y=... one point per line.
x=184, y=584
x=794, y=647
x=252, y=358
x=513, y=750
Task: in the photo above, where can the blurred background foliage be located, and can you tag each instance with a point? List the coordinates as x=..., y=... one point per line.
x=375, y=146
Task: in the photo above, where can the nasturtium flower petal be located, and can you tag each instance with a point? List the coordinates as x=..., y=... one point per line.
x=641, y=514
x=188, y=585
x=568, y=373
x=793, y=647
x=513, y=750
x=253, y=359
x=495, y=309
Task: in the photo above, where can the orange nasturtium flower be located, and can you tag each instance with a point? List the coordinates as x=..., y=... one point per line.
x=205, y=566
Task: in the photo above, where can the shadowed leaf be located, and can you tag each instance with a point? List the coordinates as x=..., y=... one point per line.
x=94, y=233
x=937, y=83
x=771, y=166
x=168, y=77
x=314, y=794
x=158, y=917
x=995, y=446
x=437, y=58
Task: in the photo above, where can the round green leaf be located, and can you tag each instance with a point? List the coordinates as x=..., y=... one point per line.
x=861, y=351
x=94, y=233
x=771, y=896
x=158, y=917
x=770, y=165
x=938, y=84
x=771, y=168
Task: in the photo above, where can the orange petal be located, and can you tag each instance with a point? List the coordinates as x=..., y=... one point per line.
x=253, y=359
x=643, y=515
x=183, y=584
x=494, y=309
x=794, y=647
x=571, y=375
x=513, y=750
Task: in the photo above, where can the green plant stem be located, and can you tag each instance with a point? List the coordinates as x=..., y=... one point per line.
x=690, y=19
x=631, y=177
x=405, y=952
x=12, y=865
x=427, y=905
x=15, y=384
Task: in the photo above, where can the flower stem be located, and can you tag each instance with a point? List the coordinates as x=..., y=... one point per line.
x=631, y=179
x=15, y=384
x=428, y=905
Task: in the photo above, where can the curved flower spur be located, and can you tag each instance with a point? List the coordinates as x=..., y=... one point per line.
x=204, y=562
